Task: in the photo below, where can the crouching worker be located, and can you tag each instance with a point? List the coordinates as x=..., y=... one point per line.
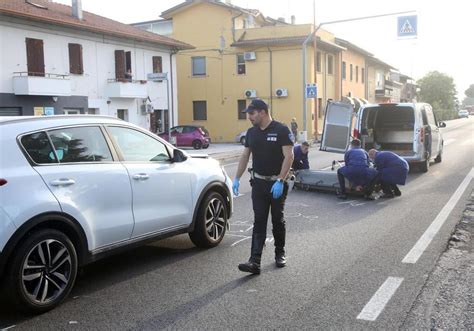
x=357, y=170
x=392, y=169
x=301, y=156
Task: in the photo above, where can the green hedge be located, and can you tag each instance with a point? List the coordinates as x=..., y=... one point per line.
x=444, y=115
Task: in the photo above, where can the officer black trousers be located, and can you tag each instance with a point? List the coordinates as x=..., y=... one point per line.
x=263, y=202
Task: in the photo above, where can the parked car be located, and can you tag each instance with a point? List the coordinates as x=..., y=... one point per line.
x=240, y=138
x=408, y=129
x=463, y=113
x=74, y=189
x=188, y=136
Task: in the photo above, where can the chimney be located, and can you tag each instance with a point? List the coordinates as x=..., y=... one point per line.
x=77, y=9
x=293, y=19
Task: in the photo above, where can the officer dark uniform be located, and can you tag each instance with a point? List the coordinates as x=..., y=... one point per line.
x=267, y=160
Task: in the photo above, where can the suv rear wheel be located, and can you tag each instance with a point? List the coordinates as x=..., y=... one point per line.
x=43, y=271
x=211, y=222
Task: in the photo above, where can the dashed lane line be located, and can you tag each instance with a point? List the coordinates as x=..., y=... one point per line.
x=380, y=299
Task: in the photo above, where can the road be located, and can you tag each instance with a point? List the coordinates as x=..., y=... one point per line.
x=351, y=264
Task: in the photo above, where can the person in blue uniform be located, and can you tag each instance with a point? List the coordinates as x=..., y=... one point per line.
x=301, y=156
x=271, y=145
x=357, y=170
x=393, y=171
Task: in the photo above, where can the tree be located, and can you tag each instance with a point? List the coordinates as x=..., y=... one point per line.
x=438, y=89
x=469, y=99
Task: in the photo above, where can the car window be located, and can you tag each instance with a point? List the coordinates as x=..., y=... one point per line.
x=137, y=146
x=81, y=144
x=430, y=117
x=38, y=147
x=188, y=129
x=177, y=129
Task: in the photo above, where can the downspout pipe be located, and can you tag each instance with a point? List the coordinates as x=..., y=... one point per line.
x=271, y=80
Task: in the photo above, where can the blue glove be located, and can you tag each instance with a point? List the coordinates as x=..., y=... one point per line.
x=277, y=189
x=235, y=186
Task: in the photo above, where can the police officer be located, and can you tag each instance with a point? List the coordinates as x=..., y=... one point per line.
x=392, y=170
x=271, y=145
x=300, y=153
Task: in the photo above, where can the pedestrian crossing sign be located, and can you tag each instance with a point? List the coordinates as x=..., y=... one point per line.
x=407, y=26
x=311, y=91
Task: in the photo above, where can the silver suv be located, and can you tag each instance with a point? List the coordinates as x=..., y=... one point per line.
x=76, y=188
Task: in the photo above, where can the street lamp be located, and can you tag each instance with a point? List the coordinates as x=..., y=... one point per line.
x=310, y=37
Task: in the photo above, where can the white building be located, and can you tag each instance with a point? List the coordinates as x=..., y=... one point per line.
x=56, y=59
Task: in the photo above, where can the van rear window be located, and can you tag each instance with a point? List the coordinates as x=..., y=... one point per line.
x=395, y=117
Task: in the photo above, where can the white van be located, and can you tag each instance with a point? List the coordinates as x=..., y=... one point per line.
x=408, y=129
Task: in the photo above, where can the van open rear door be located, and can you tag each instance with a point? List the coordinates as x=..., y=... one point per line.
x=337, y=127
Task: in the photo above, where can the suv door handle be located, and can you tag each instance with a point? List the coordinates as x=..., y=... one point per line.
x=140, y=176
x=63, y=182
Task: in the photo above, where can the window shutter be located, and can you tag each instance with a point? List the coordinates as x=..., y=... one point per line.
x=35, y=57
x=119, y=64
x=157, y=64
x=75, y=59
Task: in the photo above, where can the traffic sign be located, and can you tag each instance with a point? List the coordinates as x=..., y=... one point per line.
x=407, y=26
x=311, y=91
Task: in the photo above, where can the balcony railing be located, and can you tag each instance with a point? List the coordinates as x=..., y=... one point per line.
x=41, y=83
x=126, y=88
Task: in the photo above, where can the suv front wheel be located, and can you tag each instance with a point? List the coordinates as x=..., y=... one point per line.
x=43, y=271
x=211, y=222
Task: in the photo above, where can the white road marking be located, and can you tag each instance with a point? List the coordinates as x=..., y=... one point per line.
x=380, y=299
x=8, y=327
x=238, y=241
x=448, y=141
x=430, y=233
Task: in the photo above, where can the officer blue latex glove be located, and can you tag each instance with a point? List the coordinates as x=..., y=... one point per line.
x=277, y=189
x=235, y=186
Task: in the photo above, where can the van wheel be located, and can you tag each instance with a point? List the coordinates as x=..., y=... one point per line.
x=242, y=140
x=211, y=222
x=439, y=158
x=42, y=271
x=425, y=165
x=197, y=144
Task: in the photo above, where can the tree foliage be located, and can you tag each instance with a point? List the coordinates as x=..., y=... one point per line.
x=438, y=89
x=470, y=91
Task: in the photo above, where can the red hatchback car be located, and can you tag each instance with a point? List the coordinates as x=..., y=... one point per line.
x=188, y=135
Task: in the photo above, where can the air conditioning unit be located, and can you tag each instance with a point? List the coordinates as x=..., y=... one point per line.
x=149, y=108
x=249, y=94
x=281, y=92
x=250, y=56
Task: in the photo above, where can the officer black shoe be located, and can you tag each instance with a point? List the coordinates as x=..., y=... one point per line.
x=280, y=260
x=397, y=192
x=387, y=196
x=252, y=267
x=342, y=196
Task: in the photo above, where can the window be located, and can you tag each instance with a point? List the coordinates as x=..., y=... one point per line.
x=10, y=111
x=350, y=73
x=35, y=57
x=75, y=59
x=240, y=64
x=430, y=116
x=157, y=64
x=241, y=105
x=71, y=111
x=84, y=144
x=122, y=114
x=199, y=65
x=38, y=148
x=138, y=146
x=362, y=75
x=344, y=74
x=199, y=110
x=318, y=61
x=330, y=64
x=357, y=74
x=123, y=65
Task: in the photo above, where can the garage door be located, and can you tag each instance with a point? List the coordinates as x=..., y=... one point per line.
x=10, y=111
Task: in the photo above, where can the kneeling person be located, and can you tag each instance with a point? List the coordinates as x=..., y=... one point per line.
x=356, y=169
x=392, y=170
x=301, y=156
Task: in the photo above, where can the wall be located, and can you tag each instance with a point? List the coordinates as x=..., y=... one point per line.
x=357, y=89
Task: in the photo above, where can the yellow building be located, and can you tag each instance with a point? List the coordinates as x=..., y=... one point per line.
x=240, y=55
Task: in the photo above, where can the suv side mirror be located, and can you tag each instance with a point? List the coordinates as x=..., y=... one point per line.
x=441, y=124
x=179, y=156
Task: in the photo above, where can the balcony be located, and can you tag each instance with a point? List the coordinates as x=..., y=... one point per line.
x=388, y=89
x=47, y=84
x=126, y=88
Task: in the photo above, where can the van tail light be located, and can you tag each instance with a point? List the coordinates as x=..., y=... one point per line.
x=355, y=134
x=422, y=135
x=3, y=181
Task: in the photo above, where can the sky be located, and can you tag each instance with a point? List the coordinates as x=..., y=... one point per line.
x=444, y=41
